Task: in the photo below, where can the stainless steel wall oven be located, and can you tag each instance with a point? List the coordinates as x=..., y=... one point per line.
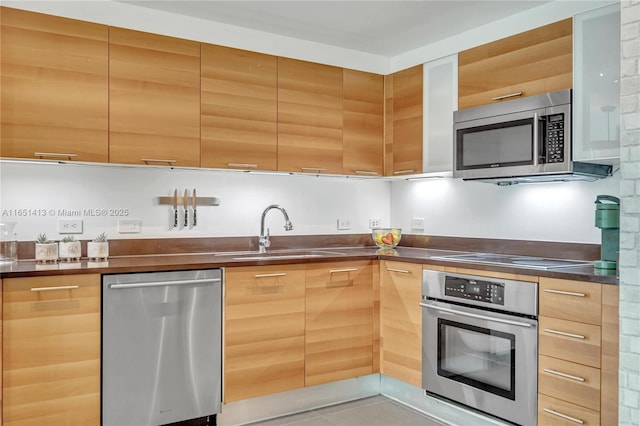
x=480, y=343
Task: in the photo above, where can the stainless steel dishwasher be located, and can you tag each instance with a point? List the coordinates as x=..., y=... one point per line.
x=161, y=347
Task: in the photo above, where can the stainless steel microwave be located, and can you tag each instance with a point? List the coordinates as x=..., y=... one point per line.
x=521, y=140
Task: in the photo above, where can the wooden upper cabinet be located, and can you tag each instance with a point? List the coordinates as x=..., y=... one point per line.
x=403, y=133
x=239, y=109
x=154, y=89
x=363, y=126
x=339, y=321
x=309, y=117
x=530, y=63
x=54, y=97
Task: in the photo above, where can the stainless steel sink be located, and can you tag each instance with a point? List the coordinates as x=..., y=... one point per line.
x=278, y=254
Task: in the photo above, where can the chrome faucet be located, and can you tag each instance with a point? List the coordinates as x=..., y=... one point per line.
x=263, y=240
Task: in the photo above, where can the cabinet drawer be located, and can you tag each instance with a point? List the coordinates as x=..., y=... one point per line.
x=555, y=412
x=570, y=340
x=571, y=300
x=568, y=381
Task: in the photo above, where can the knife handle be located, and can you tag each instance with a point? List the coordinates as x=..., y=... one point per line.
x=175, y=218
x=186, y=217
x=195, y=217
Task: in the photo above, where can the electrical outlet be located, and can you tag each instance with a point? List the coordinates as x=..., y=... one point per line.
x=69, y=226
x=129, y=226
x=344, y=223
x=417, y=223
x=375, y=223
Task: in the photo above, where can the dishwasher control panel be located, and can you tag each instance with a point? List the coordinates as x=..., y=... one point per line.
x=473, y=289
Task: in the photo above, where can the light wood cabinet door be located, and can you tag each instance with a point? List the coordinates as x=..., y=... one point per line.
x=239, y=109
x=154, y=99
x=570, y=340
x=339, y=321
x=54, y=97
x=610, y=354
x=568, y=381
x=401, y=321
x=571, y=300
x=555, y=412
x=529, y=63
x=51, y=350
x=363, y=132
x=264, y=330
x=309, y=117
x=403, y=120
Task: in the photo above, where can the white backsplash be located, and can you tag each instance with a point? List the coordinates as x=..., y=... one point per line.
x=36, y=195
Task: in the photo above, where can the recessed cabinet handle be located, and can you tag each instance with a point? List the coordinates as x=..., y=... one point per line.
x=366, y=173
x=157, y=160
x=400, y=271
x=404, y=172
x=562, y=333
x=510, y=95
x=281, y=274
x=565, y=293
x=54, y=155
x=337, y=271
x=242, y=165
x=565, y=375
x=564, y=416
x=62, y=287
x=313, y=169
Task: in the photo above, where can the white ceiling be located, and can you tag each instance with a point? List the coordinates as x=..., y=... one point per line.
x=387, y=28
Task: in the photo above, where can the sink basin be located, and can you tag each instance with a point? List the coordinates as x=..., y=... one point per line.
x=278, y=254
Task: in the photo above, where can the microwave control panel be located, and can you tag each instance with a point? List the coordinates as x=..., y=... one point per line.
x=554, y=138
x=472, y=289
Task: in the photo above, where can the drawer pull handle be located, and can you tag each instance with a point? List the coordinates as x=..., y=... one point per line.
x=366, y=173
x=242, y=165
x=510, y=95
x=400, y=271
x=564, y=416
x=54, y=155
x=62, y=287
x=337, y=271
x=563, y=333
x=313, y=169
x=565, y=293
x=281, y=274
x=157, y=160
x=404, y=172
x=565, y=375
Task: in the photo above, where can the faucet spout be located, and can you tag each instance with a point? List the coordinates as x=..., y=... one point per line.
x=263, y=240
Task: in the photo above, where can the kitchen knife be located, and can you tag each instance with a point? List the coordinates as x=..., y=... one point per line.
x=193, y=202
x=185, y=204
x=175, y=208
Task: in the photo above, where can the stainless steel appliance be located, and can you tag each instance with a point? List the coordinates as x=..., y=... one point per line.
x=520, y=140
x=161, y=347
x=480, y=343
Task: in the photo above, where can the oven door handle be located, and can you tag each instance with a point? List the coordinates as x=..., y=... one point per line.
x=482, y=317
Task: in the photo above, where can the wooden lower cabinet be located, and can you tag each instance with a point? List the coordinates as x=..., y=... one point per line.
x=556, y=412
x=401, y=321
x=263, y=330
x=339, y=321
x=51, y=350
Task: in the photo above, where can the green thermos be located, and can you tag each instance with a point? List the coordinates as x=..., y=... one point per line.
x=608, y=220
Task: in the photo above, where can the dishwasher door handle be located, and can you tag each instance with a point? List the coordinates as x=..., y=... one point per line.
x=470, y=315
x=166, y=283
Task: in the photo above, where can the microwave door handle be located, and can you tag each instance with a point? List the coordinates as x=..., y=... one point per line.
x=536, y=145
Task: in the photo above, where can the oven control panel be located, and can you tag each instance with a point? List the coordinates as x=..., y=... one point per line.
x=472, y=289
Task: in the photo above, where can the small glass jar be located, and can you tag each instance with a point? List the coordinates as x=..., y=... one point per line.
x=8, y=243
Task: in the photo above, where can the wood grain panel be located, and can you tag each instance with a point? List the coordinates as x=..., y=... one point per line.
x=610, y=354
x=532, y=62
x=239, y=109
x=401, y=321
x=154, y=98
x=571, y=300
x=388, y=125
x=339, y=321
x=54, y=96
x=309, y=117
x=376, y=317
x=584, y=348
x=264, y=330
x=585, y=416
x=363, y=132
x=568, y=381
x=492, y=274
x=407, y=121
x=51, y=351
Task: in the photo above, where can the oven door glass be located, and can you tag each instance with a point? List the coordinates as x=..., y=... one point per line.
x=479, y=357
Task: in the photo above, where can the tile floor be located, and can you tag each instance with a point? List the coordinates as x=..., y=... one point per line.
x=373, y=411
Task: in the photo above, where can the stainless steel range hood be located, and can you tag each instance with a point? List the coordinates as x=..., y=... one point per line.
x=585, y=172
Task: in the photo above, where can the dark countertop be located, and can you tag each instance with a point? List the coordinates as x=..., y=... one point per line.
x=166, y=262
